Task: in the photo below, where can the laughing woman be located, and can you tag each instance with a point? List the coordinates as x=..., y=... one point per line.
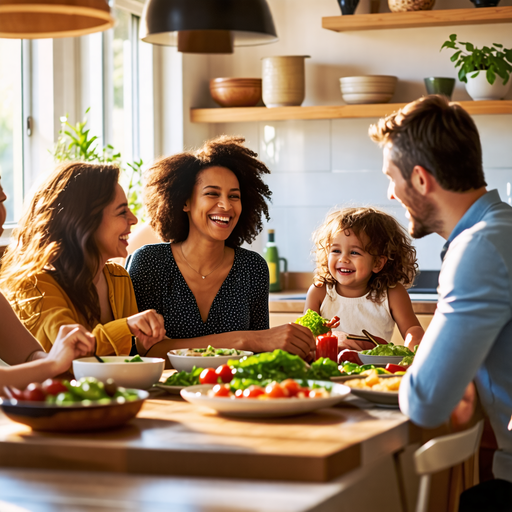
x=56, y=270
x=210, y=291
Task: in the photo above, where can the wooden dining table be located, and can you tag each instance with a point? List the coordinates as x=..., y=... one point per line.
x=311, y=461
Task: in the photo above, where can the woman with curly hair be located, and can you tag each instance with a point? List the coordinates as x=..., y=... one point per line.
x=364, y=262
x=56, y=270
x=209, y=290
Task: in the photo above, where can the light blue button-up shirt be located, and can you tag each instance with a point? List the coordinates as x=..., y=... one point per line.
x=470, y=336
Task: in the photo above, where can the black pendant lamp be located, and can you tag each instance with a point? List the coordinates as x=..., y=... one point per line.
x=207, y=26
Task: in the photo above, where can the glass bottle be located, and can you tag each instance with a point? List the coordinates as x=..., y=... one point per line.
x=272, y=258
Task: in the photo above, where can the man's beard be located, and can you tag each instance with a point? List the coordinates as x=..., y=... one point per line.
x=423, y=219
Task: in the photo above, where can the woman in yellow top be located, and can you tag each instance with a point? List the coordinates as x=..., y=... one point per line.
x=56, y=270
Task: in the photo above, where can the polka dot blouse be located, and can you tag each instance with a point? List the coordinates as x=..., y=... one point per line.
x=241, y=304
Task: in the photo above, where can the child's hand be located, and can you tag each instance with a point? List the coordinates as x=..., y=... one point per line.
x=344, y=343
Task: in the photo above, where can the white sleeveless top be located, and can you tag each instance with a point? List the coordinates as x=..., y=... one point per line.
x=358, y=313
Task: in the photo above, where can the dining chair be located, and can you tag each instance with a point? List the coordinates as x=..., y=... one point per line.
x=441, y=453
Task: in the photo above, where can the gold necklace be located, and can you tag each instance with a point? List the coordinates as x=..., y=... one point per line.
x=205, y=276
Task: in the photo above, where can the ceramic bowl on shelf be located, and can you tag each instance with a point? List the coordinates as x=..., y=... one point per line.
x=368, y=88
x=236, y=92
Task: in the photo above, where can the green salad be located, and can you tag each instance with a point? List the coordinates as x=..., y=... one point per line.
x=134, y=359
x=389, y=350
x=262, y=369
x=211, y=352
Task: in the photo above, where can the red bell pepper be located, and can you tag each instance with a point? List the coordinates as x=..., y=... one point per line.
x=393, y=368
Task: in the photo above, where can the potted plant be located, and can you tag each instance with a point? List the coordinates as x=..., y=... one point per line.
x=76, y=143
x=494, y=62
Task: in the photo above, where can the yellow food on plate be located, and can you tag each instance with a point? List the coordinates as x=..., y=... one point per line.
x=374, y=382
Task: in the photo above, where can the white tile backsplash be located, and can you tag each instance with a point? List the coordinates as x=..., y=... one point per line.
x=352, y=148
x=292, y=146
x=496, y=137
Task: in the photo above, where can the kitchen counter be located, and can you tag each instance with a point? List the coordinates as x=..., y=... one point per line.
x=293, y=301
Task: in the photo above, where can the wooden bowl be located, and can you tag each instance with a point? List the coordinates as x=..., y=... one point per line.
x=236, y=92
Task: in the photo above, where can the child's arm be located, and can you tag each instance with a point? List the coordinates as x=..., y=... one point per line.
x=401, y=310
x=314, y=298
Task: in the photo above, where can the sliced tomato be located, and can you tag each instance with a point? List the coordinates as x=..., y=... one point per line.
x=291, y=387
x=275, y=390
x=221, y=390
x=34, y=393
x=54, y=387
x=208, y=376
x=393, y=368
x=253, y=392
x=225, y=373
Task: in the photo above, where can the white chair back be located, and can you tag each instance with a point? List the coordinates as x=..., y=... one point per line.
x=442, y=453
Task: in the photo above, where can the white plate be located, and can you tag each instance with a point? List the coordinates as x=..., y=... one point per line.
x=247, y=407
x=173, y=390
x=387, y=398
x=379, y=360
x=186, y=363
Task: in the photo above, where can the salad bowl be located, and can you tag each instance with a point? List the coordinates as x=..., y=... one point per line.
x=184, y=360
x=138, y=375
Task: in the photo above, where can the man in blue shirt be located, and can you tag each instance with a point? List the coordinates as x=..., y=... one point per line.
x=433, y=159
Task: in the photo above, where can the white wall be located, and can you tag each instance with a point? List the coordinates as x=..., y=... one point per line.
x=319, y=164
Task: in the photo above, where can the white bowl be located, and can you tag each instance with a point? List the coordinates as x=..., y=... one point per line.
x=368, y=89
x=128, y=375
x=186, y=363
x=379, y=360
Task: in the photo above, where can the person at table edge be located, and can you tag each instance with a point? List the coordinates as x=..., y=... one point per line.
x=433, y=159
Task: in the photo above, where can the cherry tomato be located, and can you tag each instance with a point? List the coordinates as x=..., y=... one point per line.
x=253, y=392
x=290, y=387
x=239, y=393
x=303, y=393
x=221, y=390
x=34, y=393
x=208, y=376
x=274, y=390
x=225, y=373
x=54, y=387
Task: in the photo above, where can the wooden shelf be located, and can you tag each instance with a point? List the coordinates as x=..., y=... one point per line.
x=233, y=115
x=417, y=19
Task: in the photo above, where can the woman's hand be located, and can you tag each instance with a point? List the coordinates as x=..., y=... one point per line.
x=148, y=326
x=73, y=341
x=293, y=338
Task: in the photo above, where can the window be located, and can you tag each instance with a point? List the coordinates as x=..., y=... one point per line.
x=11, y=132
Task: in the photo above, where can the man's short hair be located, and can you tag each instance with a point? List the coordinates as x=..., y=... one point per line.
x=437, y=135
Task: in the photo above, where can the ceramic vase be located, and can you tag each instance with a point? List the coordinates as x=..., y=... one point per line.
x=440, y=85
x=480, y=89
x=485, y=3
x=410, y=5
x=348, y=6
x=284, y=83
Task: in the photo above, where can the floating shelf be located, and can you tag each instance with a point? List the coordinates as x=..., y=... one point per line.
x=233, y=115
x=417, y=19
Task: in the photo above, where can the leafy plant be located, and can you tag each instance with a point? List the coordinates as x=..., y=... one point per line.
x=494, y=60
x=75, y=143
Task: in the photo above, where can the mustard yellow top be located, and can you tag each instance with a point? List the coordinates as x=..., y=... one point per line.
x=54, y=308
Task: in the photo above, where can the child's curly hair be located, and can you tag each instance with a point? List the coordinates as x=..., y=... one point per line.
x=386, y=238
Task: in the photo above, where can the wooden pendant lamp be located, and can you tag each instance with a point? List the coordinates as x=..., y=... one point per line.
x=39, y=19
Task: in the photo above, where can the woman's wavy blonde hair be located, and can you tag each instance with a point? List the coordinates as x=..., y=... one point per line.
x=57, y=234
x=386, y=238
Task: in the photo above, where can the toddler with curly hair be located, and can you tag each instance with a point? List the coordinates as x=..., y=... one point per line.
x=364, y=263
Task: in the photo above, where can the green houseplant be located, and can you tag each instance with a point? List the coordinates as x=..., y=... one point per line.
x=75, y=142
x=485, y=71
